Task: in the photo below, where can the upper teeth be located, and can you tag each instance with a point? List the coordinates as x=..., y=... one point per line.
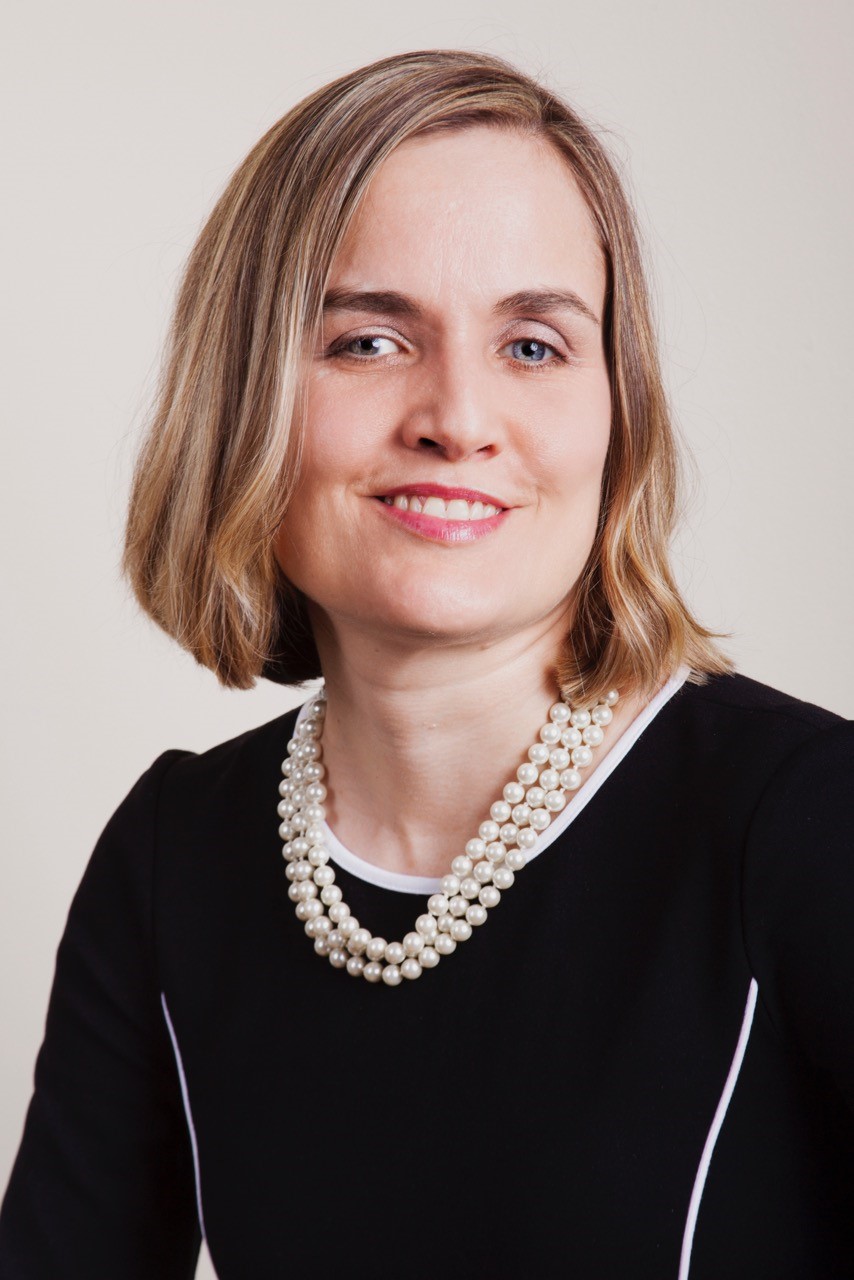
x=455, y=509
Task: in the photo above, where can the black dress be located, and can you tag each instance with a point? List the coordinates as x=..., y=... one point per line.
x=641, y=1066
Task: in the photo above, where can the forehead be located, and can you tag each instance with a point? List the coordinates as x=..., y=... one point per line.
x=481, y=210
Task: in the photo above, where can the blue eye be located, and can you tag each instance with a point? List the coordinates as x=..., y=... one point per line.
x=365, y=345
x=533, y=351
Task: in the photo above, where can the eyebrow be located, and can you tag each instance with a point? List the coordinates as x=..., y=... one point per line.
x=390, y=302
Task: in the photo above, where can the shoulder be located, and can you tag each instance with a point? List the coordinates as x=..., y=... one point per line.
x=742, y=715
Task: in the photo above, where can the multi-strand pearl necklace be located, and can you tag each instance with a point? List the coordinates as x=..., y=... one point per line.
x=477, y=878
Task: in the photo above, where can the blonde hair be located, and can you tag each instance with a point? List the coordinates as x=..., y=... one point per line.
x=220, y=461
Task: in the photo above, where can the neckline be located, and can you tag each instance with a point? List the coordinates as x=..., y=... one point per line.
x=402, y=882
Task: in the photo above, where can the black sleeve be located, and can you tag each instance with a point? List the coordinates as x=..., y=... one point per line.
x=103, y=1187
x=799, y=903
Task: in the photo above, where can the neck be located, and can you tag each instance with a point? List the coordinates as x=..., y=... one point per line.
x=417, y=745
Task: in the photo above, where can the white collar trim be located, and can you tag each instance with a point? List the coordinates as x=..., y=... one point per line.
x=400, y=882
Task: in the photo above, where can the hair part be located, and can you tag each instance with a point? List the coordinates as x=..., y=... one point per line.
x=221, y=458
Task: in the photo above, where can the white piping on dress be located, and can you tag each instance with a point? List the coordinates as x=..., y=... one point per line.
x=425, y=885
x=717, y=1122
x=187, y=1112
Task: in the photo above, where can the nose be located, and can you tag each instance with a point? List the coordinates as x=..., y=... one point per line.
x=454, y=409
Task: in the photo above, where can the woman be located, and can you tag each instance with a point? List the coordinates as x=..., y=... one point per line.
x=412, y=439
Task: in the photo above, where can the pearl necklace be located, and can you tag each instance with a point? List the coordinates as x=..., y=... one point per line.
x=477, y=878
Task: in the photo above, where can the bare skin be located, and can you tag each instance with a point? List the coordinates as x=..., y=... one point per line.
x=439, y=657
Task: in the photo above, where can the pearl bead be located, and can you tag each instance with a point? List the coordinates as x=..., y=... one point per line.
x=458, y=905
x=338, y=911
x=550, y=734
x=394, y=953
x=318, y=856
x=555, y=801
x=324, y=875
x=338, y=957
x=461, y=866
x=508, y=833
x=496, y=850
x=445, y=944
x=286, y=830
x=444, y=922
x=461, y=930
x=499, y=811
x=535, y=797
x=475, y=848
x=426, y=926
x=571, y=738
x=300, y=847
x=303, y=869
x=580, y=719
x=322, y=925
x=476, y=915
x=321, y=946
x=376, y=948
x=559, y=758
x=503, y=878
x=593, y=736
x=611, y=697
x=348, y=926
x=549, y=779
x=412, y=944
x=294, y=890
x=428, y=957
x=489, y=896
x=410, y=969
x=527, y=838
x=315, y=813
x=601, y=715
x=513, y=792
x=470, y=887
x=540, y=819
x=522, y=813
x=334, y=938
x=315, y=793
x=355, y=966
x=515, y=860
x=392, y=976
x=559, y=713
x=372, y=971
x=437, y=904
x=358, y=941
x=285, y=808
x=488, y=830
x=302, y=911
x=305, y=889
x=527, y=774
x=314, y=832
x=581, y=757
x=570, y=779
x=538, y=753
x=310, y=927
x=482, y=872
x=450, y=885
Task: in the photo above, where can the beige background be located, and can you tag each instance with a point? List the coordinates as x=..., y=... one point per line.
x=122, y=123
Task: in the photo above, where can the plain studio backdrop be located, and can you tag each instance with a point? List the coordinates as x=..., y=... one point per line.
x=732, y=124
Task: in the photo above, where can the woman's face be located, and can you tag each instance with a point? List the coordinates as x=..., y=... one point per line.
x=462, y=350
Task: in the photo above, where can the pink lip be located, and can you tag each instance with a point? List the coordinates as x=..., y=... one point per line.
x=436, y=529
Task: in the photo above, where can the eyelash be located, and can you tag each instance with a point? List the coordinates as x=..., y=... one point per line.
x=340, y=349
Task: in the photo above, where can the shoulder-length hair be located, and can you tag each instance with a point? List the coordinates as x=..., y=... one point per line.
x=221, y=459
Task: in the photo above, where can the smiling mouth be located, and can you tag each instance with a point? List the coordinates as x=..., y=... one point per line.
x=441, y=509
